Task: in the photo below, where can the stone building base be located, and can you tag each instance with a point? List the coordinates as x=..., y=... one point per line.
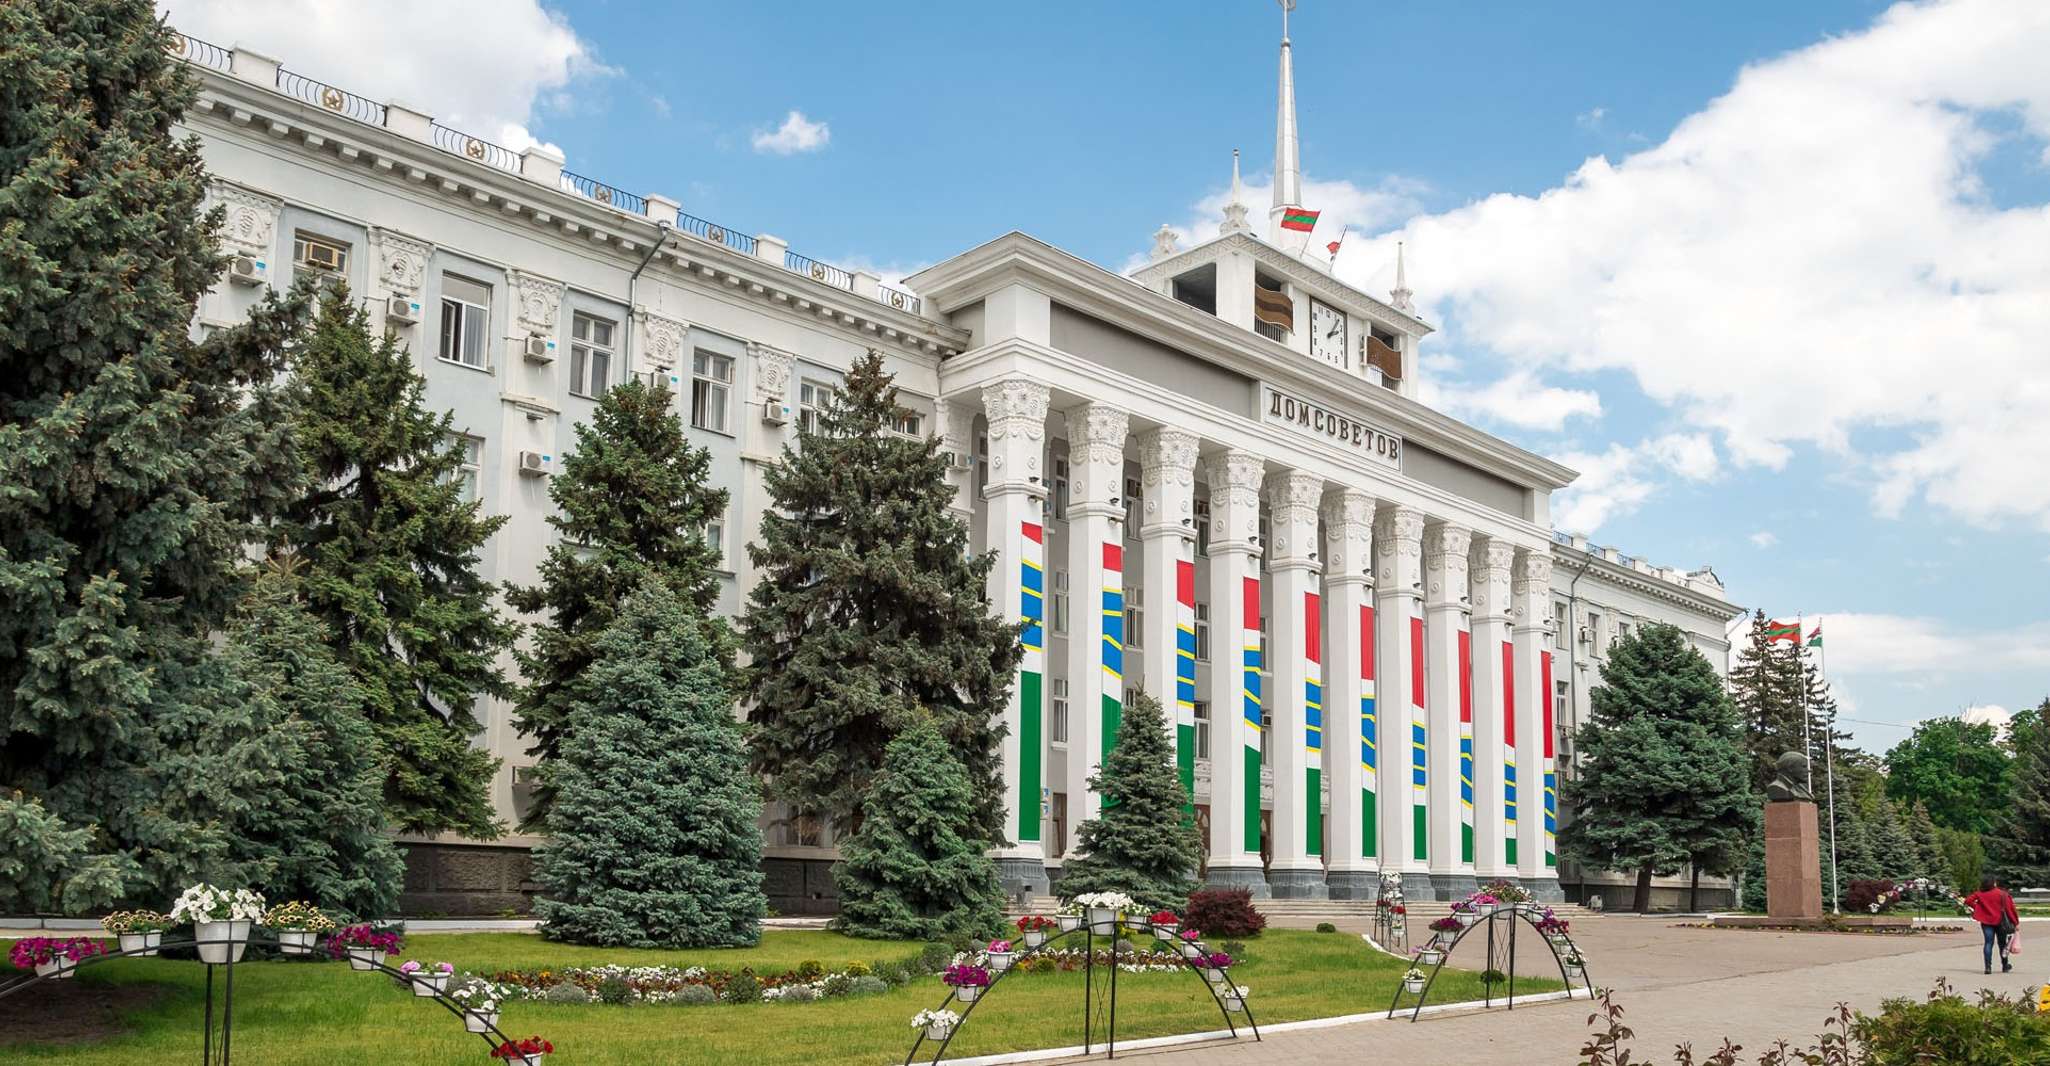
x=467, y=880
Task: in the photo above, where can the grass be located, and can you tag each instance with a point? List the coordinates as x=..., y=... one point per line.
x=315, y=1014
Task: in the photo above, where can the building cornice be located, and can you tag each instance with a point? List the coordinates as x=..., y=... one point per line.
x=557, y=213
x=1017, y=258
x=1644, y=584
x=1305, y=276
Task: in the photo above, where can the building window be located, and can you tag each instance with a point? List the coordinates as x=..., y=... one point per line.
x=1266, y=737
x=1202, y=715
x=1594, y=632
x=1135, y=618
x=1060, y=601
x=1561, y=626
x=1058, y=832
x=470, y=466
x=590, y=354
x=981, y=462
x=317, y=253
x=907, y=423
x=1057, y=727
x=802, y=829
x=812, y=400
x=1060, y=489
x=465, y=319
x=715, y=538
x=1202, y=632
x=1622, y=632
x=1203, y=528
x=1560, y=697
x=1133, y=497
x=711, y=389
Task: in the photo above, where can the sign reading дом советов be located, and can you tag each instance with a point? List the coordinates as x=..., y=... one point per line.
x=1350, y=434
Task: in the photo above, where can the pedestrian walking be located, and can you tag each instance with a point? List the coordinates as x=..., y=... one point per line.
x=1993, y=909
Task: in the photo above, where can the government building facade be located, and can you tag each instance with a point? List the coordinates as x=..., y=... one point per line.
x=1210, y=479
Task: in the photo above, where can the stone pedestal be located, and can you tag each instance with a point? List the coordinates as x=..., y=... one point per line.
x=1793, y=867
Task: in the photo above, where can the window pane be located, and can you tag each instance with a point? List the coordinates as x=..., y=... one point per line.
x=721, y=367
x=715, y=397
x=601, y=332
x=457, y=287
x=601, y=372
x=474, y=319
x=577, y=356
x=451, y=328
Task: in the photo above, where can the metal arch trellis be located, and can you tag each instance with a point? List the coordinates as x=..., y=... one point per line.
x=1186, y=949
x=1498, y=945
x=219, y=1053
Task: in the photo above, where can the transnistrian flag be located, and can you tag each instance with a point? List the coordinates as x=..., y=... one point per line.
x=1815, y=638
x=1787, y=631
x=1300, y=219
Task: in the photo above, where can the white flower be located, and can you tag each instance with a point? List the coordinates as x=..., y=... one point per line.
x=926, y=1019
x=205, y=903
x=1115, y=901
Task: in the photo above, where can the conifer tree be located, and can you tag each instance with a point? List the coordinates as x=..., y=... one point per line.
x=917, y=869
x=390, y=548
x=2020, y=851
x=654, y=838
x=1769, y=689
x=315, y=829
x=631, y=503
x=869, y=604
x=1930, y=858
x=1663, y=782
x=133, y=460
x=1140, y=844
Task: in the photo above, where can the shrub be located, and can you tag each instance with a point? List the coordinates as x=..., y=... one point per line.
x=743, y=987
x=867, y=985
x=1224, y=912
x=614, y=990
x=696, y=995
x=858, y=969
x=798, y=994
x=1859, y=896
x=934, y=957
x=1235, y=949
x=1946, y=1028
x=838, y=984
x=1326, y=927
x=1041, y=965
x=566, y=993
x=810, y=970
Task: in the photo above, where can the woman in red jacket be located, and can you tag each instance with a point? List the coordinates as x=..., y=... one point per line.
x=1993, y=909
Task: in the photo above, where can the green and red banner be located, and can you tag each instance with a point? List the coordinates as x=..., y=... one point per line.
x=1299, y=219
x=1776, y=630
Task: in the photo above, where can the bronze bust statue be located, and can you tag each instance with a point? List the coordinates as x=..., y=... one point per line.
x=1790, y=779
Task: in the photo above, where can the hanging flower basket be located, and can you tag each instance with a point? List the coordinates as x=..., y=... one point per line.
x=427, y=981
x=139, y=932
x=938, y=1024
x=1164, y=924
x=1104, y=909
x=1235, y=999
x=1190, y=945
x=1033, y=927
x=365, y=947
x=1429, y=956
x=221, y=920
x=1001, y=956
x=479, y=1002
x=1070, y=922
x=1413, y=981
x=298, y=926
x=528, y=1052
x=53, y=958
x=1213, y=966
x=967, y=981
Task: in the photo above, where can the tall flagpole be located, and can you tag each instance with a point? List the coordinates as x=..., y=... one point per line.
x=1801, y=672
x=1829, y=773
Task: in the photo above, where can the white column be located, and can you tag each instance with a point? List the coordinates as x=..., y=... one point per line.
x=1017, y=584
x=1531, y=616
x=1297, y=742
x=1167, y=533
x=1449, y=697
x=1493, y=656
x=1351, y=743
x=1399, y=685
x=1234, y=479
x=1096, y=634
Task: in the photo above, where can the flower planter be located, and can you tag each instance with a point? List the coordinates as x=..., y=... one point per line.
x=527, y=1060
x=427, y=986
x=221, y=942
x=968, y=993
x=57, y=969
x=1034, y=938
x=365, y=958
x=1573, y=972
x=1234, y=1003
x=1429, y=957
x=1103, y=920
x=480, y=1021
x=1165, y=930
x=1414, y=988
x=144, y=944
x=999, y=961
x=1465, y=918
x=1069, y=922
x=938, y=1031
x=1191, y=948
x=1214, y=974
x=296, y=941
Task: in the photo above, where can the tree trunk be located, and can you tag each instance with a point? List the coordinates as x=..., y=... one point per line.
x=1694, y=890
x=1644, y=890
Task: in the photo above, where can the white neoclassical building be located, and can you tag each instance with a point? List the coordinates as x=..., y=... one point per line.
x=1210, y=479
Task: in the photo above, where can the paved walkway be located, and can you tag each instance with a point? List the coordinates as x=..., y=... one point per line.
x=1676, y=985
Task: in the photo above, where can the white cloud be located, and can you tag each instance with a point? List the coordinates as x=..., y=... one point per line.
x=1811, y=256
x=485, y=67
x=1340, y=204
x=796, y=134
x=1897, y=644
x=1518, y=399
x=1618, y=480
x=1764, y=539
x=1591, y=119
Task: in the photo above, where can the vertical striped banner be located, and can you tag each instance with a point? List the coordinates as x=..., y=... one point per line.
x=1113, y=643
x=1369, y=743
x=1313, y=723
x=1185, y=681
x=1249, y=642
x=1419, y=751
x=1031, y=668
x=1551, y=767
x=1509, y=751
x=1465, y=746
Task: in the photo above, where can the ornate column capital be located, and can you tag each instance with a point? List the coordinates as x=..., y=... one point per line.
x=661, y=340
x=251, y=226
x=1235, y=477
x=1293, y=498
x=1490, y=561
x=1348, y=536
x=401, y=260
x=537, y=302
x=1531, y=583
x=1445, y=548
x=1167, y=467
x=1398, y=549
x=1016, y=409
x=1096, y=457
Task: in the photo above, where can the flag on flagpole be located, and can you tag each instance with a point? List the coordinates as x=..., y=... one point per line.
x=1776, y=630
x=1300, y=219
x=1815, y=638
x=1339, y=243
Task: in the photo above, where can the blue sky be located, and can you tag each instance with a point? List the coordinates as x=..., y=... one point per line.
x=1775, y=276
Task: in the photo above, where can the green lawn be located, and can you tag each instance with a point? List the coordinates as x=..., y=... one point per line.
x=315, y=1014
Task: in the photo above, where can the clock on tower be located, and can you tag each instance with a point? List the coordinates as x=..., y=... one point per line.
x=1327, y=333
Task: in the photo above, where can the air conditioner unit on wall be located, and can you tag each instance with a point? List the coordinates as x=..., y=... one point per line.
x=538, y=349
x=1586, y=635
x=248, y=270
x=659, y=378
x=402, y=309
x=775, y=412
x=536, y=464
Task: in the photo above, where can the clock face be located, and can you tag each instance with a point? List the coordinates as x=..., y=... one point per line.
x=1327, y=333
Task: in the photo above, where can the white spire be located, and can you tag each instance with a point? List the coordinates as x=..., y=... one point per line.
x=1400, y=294
x=1288, y=170
x=1164, y=243
x=1235, y=207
